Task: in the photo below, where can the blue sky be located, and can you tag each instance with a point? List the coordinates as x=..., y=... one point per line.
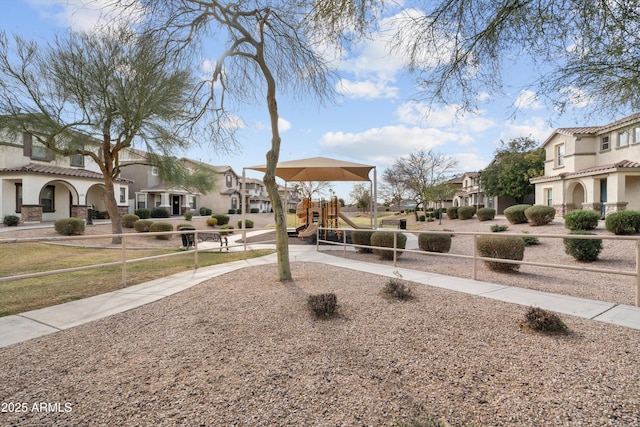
x=376, y=119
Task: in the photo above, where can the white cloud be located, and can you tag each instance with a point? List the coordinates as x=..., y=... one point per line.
x=382, y=145
x=576, y=97
x=367, y=89
x=283, y=124
x=528, y=100
x=85, y=15
x=449, y=116
x=536, y=128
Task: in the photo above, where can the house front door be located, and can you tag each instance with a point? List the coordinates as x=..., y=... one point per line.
x=175, y=205
x=603, y=198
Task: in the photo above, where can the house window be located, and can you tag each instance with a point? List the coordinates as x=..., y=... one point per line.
x=154, y=171
x=47, y=198
x=234, y=203
x=623, y=140
x=141, y=201
x=636, y=134
x=549, y=196
x=18, y=198
x=123, y=195
x=604, y=143
x=559, y=155
x=192, y=202
x=77, y=160
x=229, y=181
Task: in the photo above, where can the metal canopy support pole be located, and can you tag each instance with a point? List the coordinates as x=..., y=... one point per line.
x=375, y=198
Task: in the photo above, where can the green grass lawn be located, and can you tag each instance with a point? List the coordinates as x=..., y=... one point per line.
x=29, y=294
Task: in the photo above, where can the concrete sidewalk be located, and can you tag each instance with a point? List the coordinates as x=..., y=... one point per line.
x=36, y=323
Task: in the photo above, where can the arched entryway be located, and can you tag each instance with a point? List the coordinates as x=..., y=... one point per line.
x=576, y=194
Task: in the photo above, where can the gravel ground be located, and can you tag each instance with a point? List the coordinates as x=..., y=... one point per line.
x=243, y=349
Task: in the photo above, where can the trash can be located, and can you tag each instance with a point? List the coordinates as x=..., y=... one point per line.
x=188, y=239
x=403, y=224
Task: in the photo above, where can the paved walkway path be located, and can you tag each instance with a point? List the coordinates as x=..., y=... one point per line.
x=36, y=323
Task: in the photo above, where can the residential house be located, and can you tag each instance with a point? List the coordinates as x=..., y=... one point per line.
x=37, y=185
x=594, y=167
x=470, y=192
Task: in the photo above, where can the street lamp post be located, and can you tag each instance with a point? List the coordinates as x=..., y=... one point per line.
x=89, y=214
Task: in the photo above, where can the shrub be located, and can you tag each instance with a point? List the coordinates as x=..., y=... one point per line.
x=183, y=225
x=486, y=214
x=515, y=214
x=423, y=218
x=226, y=229
x=248, y=223
x=452, y=212
x=160, y=213
x=362, y=237
x=530, y=241
x=323, y=304
x=205, y=211
x=11, y=220
x=292, y=210
x=541, y=320
x=142, y=225
x=188, y=215
x=222, y=218
x=497, y=228
x=583, y=249
x=128, y=220
x=256, y=210
x=504, y=247
x=160, y=226
x=432, y=242
x=396, y=289
x=69, y=226
x=428, y=421
x=211, y=222
x=385, y=239
x=231, y=211
x=466, y=212
x=143, y=213
x=540, y=214
x=580, y=219
x=623, y=222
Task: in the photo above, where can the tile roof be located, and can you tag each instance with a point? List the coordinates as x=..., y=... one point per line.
x=57, y=170
x=623, y=164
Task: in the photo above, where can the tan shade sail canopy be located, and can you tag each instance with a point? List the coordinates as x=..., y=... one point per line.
x=319, y=169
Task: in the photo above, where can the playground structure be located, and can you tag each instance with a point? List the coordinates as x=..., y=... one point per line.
x=311, y=214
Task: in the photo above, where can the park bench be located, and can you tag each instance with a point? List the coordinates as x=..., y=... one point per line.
x=203, y=236
x=395, y=222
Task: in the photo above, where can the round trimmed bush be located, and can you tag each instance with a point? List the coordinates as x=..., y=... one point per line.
x=11, y=220
x=143, y=213
x=452, y=212
x=205, y=211
x=486, y=214
x=160, y=213
x=160, y=226
x=466, y=212
x=142, y=225
x=211, y=222
x=69, y=226
x=504, y=247
x=222, y=218
x=580, y=219
x=385, y=239
x=248, y=223
x=583, y=249
x=515, y=214
x=540, y=215
x=623, y=222
x=362, y=237
x=432, y=242
x=188, y=215
x=128, y=220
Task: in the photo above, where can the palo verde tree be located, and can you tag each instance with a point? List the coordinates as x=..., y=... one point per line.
x=267, y=47
x=421, y=171
x=513, y=165
x=113, y=89
x=580, y=50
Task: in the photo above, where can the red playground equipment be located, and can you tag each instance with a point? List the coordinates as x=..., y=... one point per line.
x=311, y=214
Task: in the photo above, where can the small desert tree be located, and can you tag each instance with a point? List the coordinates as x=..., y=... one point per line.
x=96, y=94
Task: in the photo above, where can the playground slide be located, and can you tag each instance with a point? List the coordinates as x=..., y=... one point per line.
x=348, y=221
x=309, y=231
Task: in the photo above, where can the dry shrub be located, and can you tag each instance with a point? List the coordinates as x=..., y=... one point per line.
x=540, y=320
x=323, y=304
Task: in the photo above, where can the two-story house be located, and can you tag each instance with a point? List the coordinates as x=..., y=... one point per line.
x=470, y=192
x=37, y=185
x=595, y=167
